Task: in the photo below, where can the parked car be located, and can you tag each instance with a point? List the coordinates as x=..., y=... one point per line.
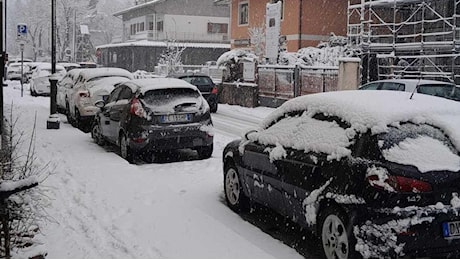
x=91, y=85
x=428, y=87
x=40, y=79
x=144, y=116
x=64, y=89
x=370, y=179
x=205, y=84
x=13, y=72
x=69, y=65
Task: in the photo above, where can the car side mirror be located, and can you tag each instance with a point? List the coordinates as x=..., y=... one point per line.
x=246, y=135
x=100, y=103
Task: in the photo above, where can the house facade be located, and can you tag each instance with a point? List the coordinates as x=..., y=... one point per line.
x=178, y=20
x=201, y=27
x=304, y=23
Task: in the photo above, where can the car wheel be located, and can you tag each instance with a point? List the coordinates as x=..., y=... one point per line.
x=234, y=194
x=205, y=152
x=97, y=135
x=336, y=234
x=125, y=151
x=214, y=108
x=69, y=116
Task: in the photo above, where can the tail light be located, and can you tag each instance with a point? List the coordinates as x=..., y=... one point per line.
x=84, y=94
x=136, y=108
x=214, y=90
x=399, y=184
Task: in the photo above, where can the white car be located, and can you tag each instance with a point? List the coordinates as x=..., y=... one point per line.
x=40, y=79
x=13, y=72
x=92, y=85
x=428, y=87
x=65, y=88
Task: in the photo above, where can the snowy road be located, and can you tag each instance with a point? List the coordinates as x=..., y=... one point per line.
x=103, y=207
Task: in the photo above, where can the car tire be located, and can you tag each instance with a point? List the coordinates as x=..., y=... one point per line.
x=205, y=152
x=125, y=151
x=336, y=233
x=233, y=189
x=214, y=108
x=97, y=135
x=69, y=115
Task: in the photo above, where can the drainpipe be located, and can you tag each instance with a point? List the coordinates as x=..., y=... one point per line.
x=300, y=23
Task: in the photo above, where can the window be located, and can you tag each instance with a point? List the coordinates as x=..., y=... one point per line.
x=370, y=86
x=217, y=28
x=132, y=30
x=243, y=14
x=150, y=26
x=125, y=93
x=160, y=26
x=113, y=96
x=392, y=86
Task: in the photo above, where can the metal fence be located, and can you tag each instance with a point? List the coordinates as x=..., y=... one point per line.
x=286, y=82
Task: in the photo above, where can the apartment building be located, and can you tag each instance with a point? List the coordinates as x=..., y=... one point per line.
x=304, y=23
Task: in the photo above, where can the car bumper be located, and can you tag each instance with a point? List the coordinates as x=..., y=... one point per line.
x=417, y=232
x=88, y=111
x=170, y=137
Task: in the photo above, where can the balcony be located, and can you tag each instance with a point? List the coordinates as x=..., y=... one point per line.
x=180, y=36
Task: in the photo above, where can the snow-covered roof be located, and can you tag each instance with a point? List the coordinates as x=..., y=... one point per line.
x=162, y=83
x=47, y=66
x=146, y=43
x=376, y=110
x=141, y=6
x=105, y=72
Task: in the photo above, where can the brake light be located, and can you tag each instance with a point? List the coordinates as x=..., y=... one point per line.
x=214, y=90
x=84, y=94
x=136, y=108
x=399, y=184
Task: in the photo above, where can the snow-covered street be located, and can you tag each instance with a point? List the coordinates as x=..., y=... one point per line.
x=100, y=206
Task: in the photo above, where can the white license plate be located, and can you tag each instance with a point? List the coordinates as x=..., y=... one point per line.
x=175, y=118
x=451, y=229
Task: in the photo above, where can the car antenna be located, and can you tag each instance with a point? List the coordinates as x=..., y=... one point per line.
x=416, y=88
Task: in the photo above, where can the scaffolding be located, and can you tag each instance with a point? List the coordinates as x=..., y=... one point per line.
x=406, y=38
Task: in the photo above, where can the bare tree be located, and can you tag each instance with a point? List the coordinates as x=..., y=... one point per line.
x=171, y=58
x=257, y=36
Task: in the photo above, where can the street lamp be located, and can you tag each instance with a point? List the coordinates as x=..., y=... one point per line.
x=53, y=121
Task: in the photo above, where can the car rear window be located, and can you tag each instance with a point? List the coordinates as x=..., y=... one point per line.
x=162, y=96
x=198, y=80
x=422, y=146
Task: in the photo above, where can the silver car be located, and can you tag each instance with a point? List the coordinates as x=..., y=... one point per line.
x=428, y=87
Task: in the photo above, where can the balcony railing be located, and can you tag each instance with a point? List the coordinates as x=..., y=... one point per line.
x=181, y=36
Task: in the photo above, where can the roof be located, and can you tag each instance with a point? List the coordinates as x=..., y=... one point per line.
x=161, y=83
x=146, y=43
x=375, y=110
x=141, y=6
x=105, y=72
x=47, y=66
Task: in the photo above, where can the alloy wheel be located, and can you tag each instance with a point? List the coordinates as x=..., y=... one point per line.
x=334, y=238
x=232, y=187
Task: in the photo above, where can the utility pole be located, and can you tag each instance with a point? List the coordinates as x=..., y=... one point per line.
x=2, y=70
x=53, y=121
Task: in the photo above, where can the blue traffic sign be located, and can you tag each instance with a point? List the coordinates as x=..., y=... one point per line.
x=22, y=29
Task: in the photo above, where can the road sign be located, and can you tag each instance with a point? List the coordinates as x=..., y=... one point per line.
x=22, y=32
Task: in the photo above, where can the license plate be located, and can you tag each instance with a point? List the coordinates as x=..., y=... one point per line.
x=175, y=118
x=451, y=229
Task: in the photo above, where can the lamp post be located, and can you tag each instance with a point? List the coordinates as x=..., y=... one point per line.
x=53, y=121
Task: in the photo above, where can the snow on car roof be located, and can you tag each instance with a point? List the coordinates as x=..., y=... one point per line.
x=375, y=110
x=47, y=66
x=414, y=81
x=105, y=72
x=161, y=83
x=107, y=81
